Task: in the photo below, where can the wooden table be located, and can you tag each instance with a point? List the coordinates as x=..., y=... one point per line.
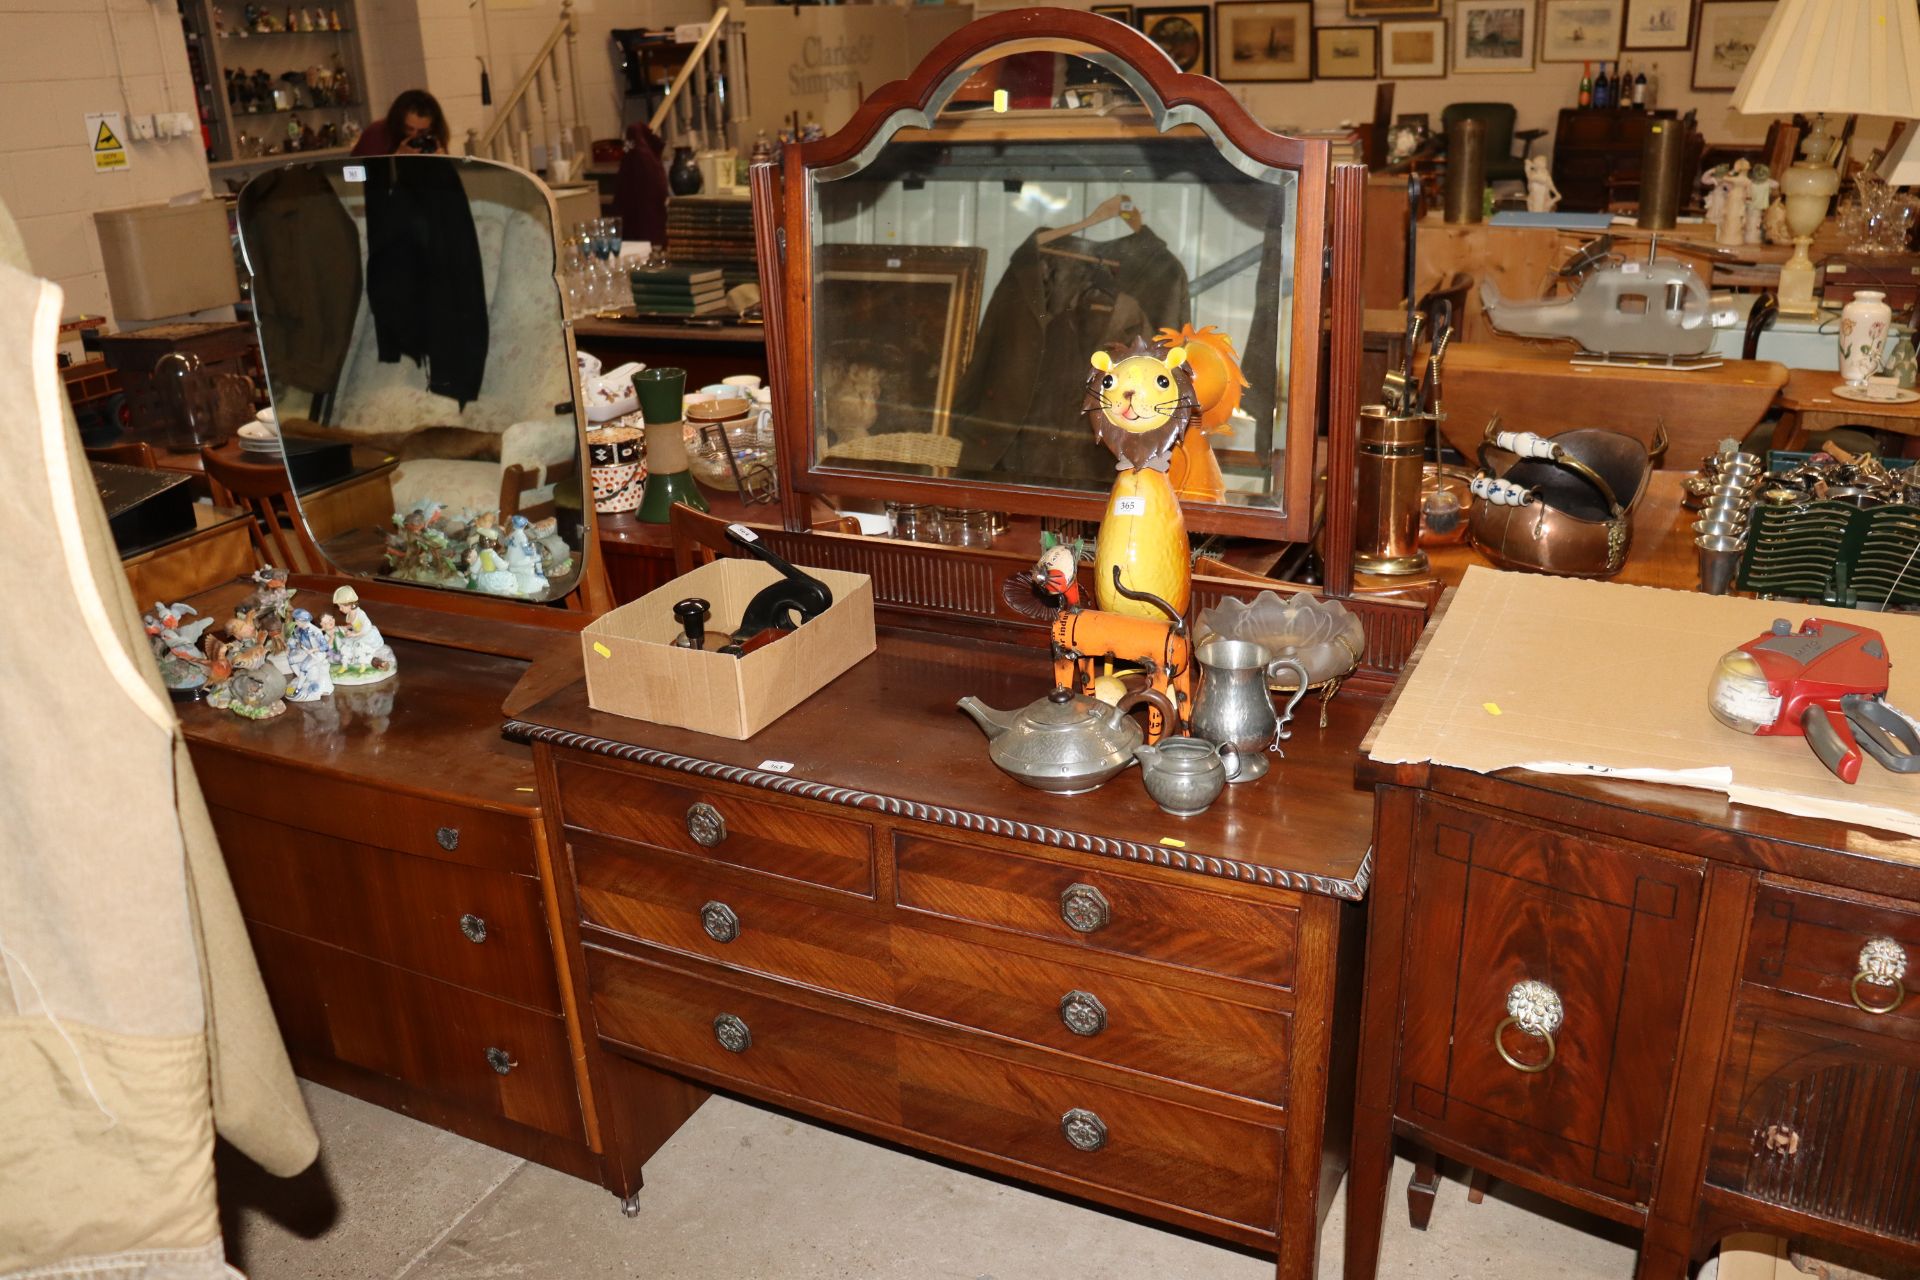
x=640, y=556
x=217, y=549
x=1809, y=405
x=707, y=352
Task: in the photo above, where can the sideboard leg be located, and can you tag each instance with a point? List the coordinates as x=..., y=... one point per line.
x=630, y=1205
x=1660, y=1259
x=1367, y=1175
x=1423, y=1189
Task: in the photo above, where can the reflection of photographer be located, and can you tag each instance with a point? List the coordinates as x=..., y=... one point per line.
x=414, y=125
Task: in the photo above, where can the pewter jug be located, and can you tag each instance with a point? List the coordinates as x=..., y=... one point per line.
x=1183, y=775
x=1234, y=710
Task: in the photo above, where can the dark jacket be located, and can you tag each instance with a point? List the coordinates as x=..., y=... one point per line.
x=1017, y=409
x=305, y=255
x=424, y=283
x=640, y=189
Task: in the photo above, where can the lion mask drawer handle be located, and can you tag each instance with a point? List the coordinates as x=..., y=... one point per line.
x=705, y=825
x=1084, y=908
x=1533, y=1007
x=500, y=1060
x=1883, y=963
x=1083, y=1013
x=732, y=1033
x=447, y=838
x=1083, y=1129
x=473, y=927
x=721, y=924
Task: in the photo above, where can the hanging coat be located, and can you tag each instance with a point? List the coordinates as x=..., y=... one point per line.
x=425, y=287
x=304, y=250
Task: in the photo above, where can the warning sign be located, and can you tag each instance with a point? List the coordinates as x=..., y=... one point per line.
x=106, y=138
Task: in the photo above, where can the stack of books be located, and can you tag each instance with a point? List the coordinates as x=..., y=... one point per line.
x=711, y=230
x=678, y=291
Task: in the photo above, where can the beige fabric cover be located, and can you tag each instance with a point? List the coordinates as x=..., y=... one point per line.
x=132, y=1017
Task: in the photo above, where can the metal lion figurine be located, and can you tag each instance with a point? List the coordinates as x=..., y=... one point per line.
x=1139, y=403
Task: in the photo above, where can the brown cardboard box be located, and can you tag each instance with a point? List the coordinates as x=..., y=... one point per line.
x=167, y=259
x=634, y=670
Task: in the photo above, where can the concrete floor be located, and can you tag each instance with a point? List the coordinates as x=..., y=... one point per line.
x=746, y=1194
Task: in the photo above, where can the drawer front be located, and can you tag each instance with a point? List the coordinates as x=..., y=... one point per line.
x=497, y=1058
x=367, y=815
x=1853, y=956
x=481, y=929
x=1606, y=931
x=791, y=842
x=1130, y=915
x=1146, y=1148
x=1823, y=1121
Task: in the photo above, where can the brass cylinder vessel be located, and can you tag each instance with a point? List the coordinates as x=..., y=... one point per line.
x=1386, y=535
x=1466, y=172
x=1660, y=176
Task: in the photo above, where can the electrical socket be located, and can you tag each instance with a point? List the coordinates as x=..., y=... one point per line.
x=184, y=123
x=141, y=128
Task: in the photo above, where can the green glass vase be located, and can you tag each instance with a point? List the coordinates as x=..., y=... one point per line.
x=662, y=395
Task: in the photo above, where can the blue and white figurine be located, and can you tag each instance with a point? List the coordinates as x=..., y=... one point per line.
x=311, y=655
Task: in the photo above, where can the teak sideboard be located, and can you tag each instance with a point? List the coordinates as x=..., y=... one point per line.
x=855, y=915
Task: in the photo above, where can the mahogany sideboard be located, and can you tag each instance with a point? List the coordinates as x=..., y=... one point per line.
x=855, y=915
x=1721, y=1054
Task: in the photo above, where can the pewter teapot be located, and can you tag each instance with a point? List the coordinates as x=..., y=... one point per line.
x=1065, y=742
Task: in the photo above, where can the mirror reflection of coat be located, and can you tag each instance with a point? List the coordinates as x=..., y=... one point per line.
x=425, y=286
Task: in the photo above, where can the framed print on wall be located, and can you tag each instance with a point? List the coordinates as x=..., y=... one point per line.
x=1181, y=31
x=1261, y=41
x=1658, y=24
x=1492, y=35
x=1390, y=8
x=1118, y=12
x=1580, y=30
x=1413, y=50
x=1729, y=29
x=1346, y=53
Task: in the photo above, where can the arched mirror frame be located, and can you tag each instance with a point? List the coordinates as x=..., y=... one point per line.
x=784, y=214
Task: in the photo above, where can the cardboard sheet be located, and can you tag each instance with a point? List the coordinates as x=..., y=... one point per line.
x=1560, y=675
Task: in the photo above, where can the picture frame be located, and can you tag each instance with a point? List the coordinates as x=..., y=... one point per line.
x=1414, y=49
x=1185, y=32
x=1657, y=24
x=1263, y=41
x=1346, y=53
x=1729, y=30
x=1493, y=36
x=1118, y=12
x=904, y=319
x=1391, y=8
x=1581, y=30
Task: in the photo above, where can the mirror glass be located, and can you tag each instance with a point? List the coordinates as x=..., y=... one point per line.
x=969, y=263
x=415, y=349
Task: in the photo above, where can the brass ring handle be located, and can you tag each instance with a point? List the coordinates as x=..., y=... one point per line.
x=1883, y=963
x=1535, y=1008
x=1553, y=1050
x=1899, y=994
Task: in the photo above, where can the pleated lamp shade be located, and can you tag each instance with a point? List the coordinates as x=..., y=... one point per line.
x=1836, y=56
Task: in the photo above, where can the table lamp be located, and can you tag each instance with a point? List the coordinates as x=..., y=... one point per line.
x=1839, y=56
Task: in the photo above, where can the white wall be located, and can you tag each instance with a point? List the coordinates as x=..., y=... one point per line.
x=59, y=60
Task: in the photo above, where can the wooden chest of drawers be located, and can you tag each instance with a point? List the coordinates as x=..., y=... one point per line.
x=1151, y=1013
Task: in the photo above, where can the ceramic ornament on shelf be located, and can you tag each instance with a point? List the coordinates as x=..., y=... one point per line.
x=1140, y=401
x=1217, y=384
x=360, y=654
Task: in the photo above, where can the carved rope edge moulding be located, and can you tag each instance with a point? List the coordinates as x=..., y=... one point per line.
x=1155, y=855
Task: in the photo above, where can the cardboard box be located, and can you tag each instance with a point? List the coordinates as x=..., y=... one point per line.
x=634, y=670
x=167, y=259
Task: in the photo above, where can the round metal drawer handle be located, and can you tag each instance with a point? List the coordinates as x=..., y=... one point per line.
x=718, y=920
x=473, y=927
x=447, y=838
x=732, y=1034
x=500, y=1060
x=1084, y=908
x=1083, y=1129
x=1535, y=1008
x=705, y=825
x=1883, y=963
x=1083, y=1013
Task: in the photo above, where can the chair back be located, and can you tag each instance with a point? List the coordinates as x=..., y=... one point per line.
x=1496, y=117
x=131, y=453
x=266, y=493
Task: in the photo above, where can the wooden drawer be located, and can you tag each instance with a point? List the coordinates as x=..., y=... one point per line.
x=1810, y=944
x=337, y=1005
x=1155, y=1152
x=1823, y=1121
x=481, y=929
x=1193, y=927
x=368, y=815
x=1178, y=1034
x=787, y=840
x=1609, y=929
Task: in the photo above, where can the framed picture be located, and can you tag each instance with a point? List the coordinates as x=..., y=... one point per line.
x=1182, y=32
x=1415, y=50
x=1658, y=24
x=1118, y=12
x=1346, y=53
x=1265, y=40
x=1390, y=8
x=1580, y=30
x=1492, y=35
x=895, y=328
x=1729, y=30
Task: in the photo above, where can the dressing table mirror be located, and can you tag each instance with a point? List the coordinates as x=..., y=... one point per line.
x=414, y=342
x=1046, y=185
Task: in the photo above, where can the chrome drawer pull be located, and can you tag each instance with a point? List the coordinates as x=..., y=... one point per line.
x=705, y=825
x=1883, y=963
x=732, y=1034
x=1535, y=1008
x=473, y=927
x=500, y=1060
x=1083, y=1013
x=1084, y=908
x=1085, y=1130
x=447, y=838
x=718, y=920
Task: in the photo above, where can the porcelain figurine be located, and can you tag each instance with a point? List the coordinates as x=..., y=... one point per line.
x=556, y=557
x=523, y=560
x=360, y=655
x=271, y=605
x=1139, y=403
x=1057, y=572
x=1759, y=200
x=312, y=659
x=248, y=684
x=1736, y=189
x=1217, y=384
x=487, y=571
x=1542, y=195
x=176, y=645
x=1863, y=336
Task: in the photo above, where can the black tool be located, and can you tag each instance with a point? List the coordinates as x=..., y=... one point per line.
x=780, y=607
x=692, y=614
